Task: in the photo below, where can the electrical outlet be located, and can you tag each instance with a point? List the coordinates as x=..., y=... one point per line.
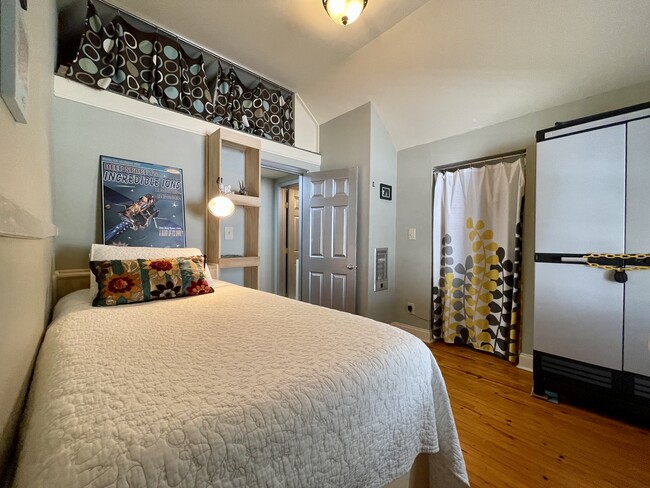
x=410, y=307
x=411, y=234
x=229, y=233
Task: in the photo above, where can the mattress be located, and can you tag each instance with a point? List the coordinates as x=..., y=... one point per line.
x=238, y=388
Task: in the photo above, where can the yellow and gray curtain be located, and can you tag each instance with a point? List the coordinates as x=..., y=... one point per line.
x=477, y=229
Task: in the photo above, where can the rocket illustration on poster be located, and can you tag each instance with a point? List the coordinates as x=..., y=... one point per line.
x=143, y=204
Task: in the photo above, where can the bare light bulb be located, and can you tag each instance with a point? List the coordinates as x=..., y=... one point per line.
x=221, y=206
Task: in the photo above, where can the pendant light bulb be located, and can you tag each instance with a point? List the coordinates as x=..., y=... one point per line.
x=221, y=206
x=344, y=12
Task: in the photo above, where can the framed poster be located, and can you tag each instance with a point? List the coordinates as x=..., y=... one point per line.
x=143, y=204
x=14, y=58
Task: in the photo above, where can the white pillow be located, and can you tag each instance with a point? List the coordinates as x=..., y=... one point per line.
x=102, y=252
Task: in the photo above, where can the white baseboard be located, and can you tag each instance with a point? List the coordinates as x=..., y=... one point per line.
x=422, y=334
x=525, y=362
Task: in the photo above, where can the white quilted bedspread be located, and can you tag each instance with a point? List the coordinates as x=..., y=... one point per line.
x=234, y=389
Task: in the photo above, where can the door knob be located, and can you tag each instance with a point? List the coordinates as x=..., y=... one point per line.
x=351, y=266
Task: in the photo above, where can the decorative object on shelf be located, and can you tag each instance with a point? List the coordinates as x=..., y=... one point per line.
x=385, y=192
x=221, y=206
x=344, y=12
x=14, y=58
x=143, y=204
x=242, y=189
x=148, y=66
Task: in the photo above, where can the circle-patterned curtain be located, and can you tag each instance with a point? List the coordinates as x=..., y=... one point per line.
x=154, y=68
x=259, y=110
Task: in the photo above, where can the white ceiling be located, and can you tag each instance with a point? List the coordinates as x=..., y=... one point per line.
x=433, y=68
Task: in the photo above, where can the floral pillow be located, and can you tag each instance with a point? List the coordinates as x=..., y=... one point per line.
x=143, y=280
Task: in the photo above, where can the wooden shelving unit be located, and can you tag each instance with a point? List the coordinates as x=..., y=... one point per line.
x=250, y=146
x=244, y=200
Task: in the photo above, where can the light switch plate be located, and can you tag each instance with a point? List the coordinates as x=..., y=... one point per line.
x=411, y=234
x=229, y=233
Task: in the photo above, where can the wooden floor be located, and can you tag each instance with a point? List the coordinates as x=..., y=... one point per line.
x=511, y=439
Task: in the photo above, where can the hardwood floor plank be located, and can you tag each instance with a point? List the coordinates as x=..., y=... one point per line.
x=511, y=439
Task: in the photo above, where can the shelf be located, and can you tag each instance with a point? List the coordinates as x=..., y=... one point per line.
x=250, y=149
x=244, y=200
x=243, y=262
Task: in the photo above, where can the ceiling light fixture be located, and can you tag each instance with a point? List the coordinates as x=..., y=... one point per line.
x=221, y=206
x=344, y=12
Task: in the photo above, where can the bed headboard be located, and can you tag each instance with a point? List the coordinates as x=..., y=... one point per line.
x=66, y=281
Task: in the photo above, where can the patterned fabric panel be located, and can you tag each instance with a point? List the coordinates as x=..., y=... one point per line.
x=146, y=66
x=180, y=82
x=153, y=67
x=477, y=243
x=134, y=61
x=143, y=280
x=222, y=98
x=260, y=111
x=95, y=64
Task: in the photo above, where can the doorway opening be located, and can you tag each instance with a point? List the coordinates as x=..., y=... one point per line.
x=280, y=231
x=289, y=255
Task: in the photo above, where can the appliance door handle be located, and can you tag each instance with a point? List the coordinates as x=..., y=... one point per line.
x=578, y=260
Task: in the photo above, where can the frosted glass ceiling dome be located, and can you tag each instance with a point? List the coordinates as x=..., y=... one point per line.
x=344, y=12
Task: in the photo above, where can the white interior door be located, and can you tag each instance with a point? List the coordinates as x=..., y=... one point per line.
x=580, y=202
x=293, y=241
x=329, y=239
x=636, y=352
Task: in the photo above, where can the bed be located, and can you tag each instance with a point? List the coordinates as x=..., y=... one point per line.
x=237, y=388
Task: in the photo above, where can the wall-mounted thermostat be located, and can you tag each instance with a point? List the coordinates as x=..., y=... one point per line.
x=381, y=268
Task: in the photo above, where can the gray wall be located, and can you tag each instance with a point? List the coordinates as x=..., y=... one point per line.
x=26, y=264
x=80, y=135
x=232, y=172
x=345, y=143
x=381, y=222
x=414, y=187
x=358, y=138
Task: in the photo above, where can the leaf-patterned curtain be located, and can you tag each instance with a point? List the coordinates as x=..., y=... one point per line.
x=477, y=229
x=148, y=66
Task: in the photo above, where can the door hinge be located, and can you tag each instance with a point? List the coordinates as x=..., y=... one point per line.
x=286, y=204
x=286, y=250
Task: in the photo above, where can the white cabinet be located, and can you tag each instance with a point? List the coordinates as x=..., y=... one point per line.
x=592, y=324
x=581, y=193
x=636, y=346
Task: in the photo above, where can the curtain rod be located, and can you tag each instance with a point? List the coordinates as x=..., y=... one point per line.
x=193, y=44
x=478, y=161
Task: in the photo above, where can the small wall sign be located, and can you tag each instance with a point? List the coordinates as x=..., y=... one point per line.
x=385, y=192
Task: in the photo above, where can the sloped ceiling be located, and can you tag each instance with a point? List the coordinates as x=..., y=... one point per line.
x=433, y=68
